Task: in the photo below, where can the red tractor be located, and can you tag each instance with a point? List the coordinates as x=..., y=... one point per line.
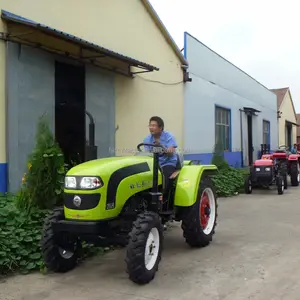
x=273, y=169
x=290, y=163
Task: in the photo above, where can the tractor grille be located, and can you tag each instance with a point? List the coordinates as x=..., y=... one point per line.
x=88, y=201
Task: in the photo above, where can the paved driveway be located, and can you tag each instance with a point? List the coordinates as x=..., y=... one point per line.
x=255, y=255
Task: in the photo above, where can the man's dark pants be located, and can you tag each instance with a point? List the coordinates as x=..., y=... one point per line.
x=167, y=172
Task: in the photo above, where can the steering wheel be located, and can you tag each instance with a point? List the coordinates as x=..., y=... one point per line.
x=160, y=148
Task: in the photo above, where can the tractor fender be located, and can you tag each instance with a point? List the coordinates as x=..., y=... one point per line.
x=293, y=157
x=188, y=183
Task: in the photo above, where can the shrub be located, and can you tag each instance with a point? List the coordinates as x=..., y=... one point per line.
x=43, y=182
x=229, y=180
x=218, y=157
x=20, y=234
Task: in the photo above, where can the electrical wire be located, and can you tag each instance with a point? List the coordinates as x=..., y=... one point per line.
x=196, y=75
x=160, y=82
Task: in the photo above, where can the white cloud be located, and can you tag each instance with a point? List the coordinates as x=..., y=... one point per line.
x=260, y=37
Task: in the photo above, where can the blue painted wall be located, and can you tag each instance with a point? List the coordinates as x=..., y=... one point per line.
x=215, y=81
x=3, y=178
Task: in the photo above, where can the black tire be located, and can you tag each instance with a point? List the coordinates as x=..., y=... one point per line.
x=285, y=182
x=248, y=185
x=135, y=256
x=53, y=258
x=294, y=174
x=280, y=185
x=193, y=231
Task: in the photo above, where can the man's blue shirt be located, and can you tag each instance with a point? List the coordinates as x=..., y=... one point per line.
x=167, y=140
x=294, y=151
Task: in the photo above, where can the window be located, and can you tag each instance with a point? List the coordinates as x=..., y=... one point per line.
x=222, y=119
x=266, y=132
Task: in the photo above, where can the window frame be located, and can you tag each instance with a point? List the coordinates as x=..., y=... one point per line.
x=266, y=134
x=223, y=126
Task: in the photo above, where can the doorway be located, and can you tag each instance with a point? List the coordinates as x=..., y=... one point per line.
x=250, y=140
x=70, y=111
x=288, y=135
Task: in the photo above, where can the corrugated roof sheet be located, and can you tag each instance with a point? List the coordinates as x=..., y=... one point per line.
x=19, y=19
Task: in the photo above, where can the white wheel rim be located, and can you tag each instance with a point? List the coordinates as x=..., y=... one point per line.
x=282, y=186
x=250, y=186
x=152, y=248
x=207, y=202
x=65, y=253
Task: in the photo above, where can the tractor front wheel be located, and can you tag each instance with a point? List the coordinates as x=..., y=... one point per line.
x=248, y=185
x=280, y=185
x=285, y=181
x=199, y=220
x=144, y=248
x=57, y=258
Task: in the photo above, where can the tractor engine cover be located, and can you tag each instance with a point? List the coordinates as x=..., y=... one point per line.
x=263, y=171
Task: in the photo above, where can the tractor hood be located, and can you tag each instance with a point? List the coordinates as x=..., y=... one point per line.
x=104, y=167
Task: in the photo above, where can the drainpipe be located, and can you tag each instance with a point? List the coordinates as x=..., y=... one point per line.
x=241, y=126
x=3, y=115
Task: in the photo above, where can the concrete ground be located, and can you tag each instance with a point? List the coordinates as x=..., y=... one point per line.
x=254, y=255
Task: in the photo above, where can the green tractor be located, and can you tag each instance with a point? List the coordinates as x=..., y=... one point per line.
x=119, y=201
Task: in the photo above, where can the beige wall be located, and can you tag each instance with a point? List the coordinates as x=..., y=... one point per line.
x=288, y=113
x=125, y=27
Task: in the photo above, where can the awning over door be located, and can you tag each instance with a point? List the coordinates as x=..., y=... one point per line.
x=27, y=32
x=291, y=123
x=251, y=111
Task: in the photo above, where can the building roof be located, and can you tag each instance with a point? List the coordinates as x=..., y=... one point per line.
x=298, y=122
x=164, y=31
x=8, y=16
x=280, y=93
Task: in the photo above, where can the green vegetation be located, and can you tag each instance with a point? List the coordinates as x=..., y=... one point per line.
x=229, y=181
x=20, y=233
x=43, y=183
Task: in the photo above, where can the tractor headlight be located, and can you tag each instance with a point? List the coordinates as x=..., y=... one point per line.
x=90, y=183
x=257, y=169
x=268, y=169
x=84, y=183
x=70, y=182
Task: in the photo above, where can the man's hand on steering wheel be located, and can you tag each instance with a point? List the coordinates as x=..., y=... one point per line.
x=156, y=148
x=169, y=150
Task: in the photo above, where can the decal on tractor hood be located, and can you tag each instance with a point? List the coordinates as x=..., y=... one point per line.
x=137, y=185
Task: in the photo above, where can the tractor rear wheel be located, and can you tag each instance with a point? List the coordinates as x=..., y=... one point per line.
x=57, y=258
x=144, y=248
x=199, y=220
x=294, y=174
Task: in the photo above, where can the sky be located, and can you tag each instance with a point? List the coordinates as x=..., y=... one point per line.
x=260, y=37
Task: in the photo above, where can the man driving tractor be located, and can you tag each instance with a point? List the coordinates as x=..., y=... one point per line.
x=168, y=161
x=294, y=150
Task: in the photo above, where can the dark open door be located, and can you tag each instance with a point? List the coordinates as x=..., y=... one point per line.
x=70, y=110
x=250, y=140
